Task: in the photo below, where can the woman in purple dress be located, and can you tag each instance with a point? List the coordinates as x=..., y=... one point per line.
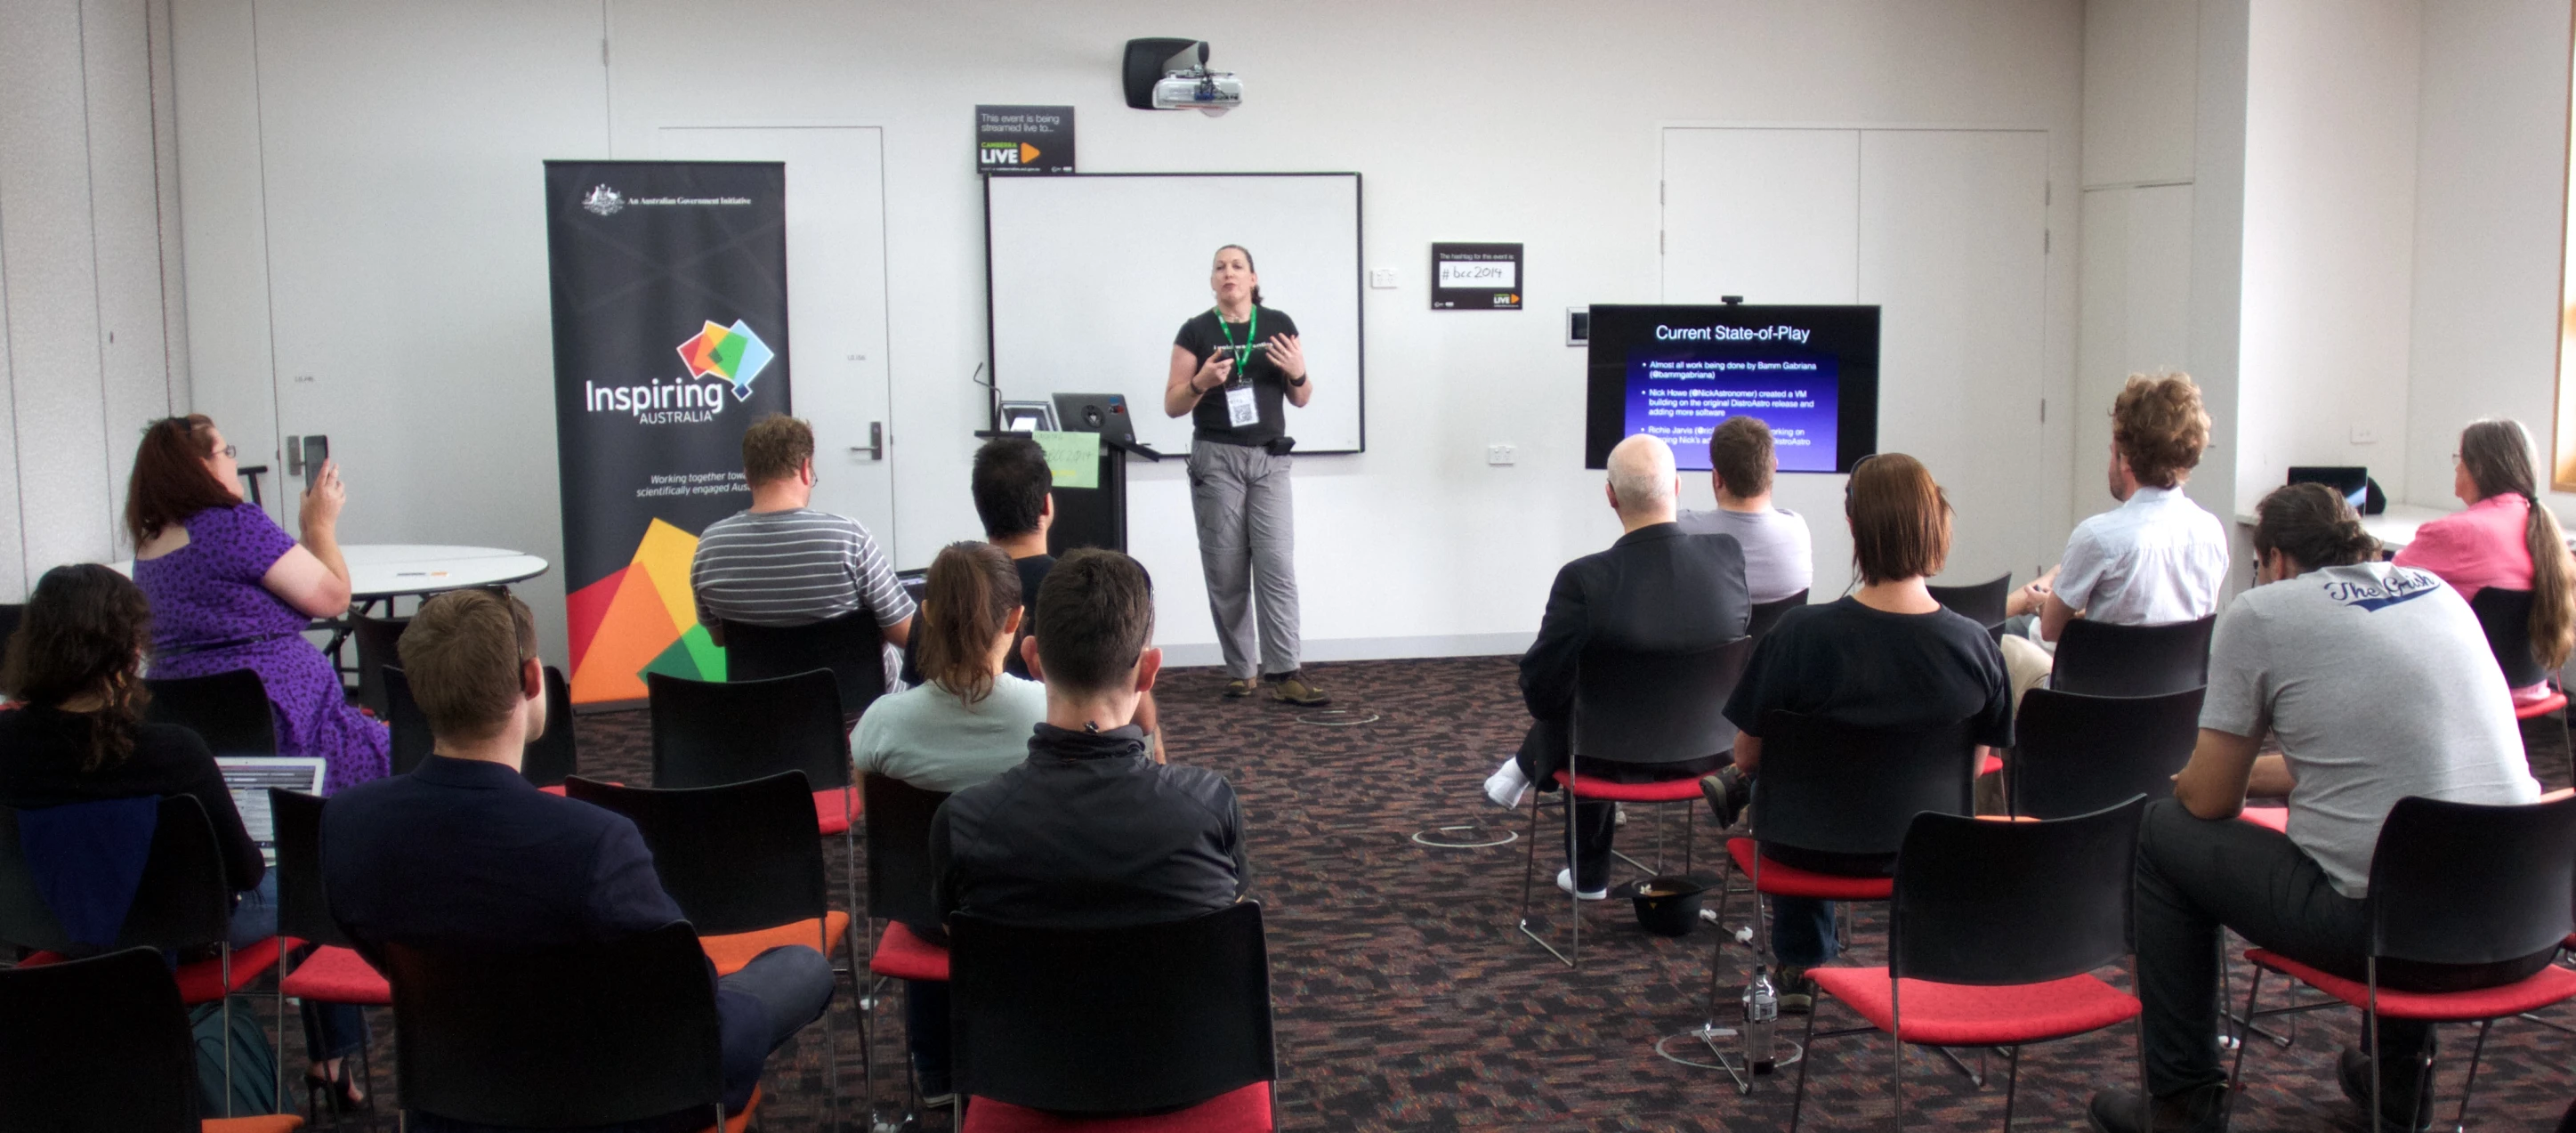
x=230, y=590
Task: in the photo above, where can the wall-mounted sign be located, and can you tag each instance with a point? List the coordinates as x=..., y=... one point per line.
x=1024, y=139
x=1475, y=277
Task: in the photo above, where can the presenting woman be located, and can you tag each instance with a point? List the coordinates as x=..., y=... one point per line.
x=1232, y=367
x=230, y=590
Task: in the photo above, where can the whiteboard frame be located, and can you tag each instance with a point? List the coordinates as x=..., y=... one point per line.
x=1359, y=290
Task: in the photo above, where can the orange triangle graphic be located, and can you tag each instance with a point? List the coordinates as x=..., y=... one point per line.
x=1028, y=154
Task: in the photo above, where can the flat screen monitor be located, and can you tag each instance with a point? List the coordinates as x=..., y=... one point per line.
x=1810, y=373
x=2353, y=481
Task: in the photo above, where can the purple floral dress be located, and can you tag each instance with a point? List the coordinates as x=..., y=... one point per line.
x=210, y=613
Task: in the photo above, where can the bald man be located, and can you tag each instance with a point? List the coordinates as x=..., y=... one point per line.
x=1657, y=590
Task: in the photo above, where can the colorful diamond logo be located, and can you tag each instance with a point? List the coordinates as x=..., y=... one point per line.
x=731, y=353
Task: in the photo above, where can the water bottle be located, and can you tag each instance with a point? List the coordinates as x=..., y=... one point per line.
x=1761, y=1013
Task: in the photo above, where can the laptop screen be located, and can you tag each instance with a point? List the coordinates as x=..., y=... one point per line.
x=250, y=776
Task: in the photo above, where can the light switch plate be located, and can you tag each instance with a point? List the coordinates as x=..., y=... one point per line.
x=1382, y=278
x=1499, y=453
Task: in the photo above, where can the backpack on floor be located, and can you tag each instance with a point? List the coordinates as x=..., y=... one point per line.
x=254, y=1085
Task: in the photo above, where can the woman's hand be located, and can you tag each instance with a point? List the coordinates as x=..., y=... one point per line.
x=1289, y=355
x=323, y=497
x=2031, y=598
x=1216, y=371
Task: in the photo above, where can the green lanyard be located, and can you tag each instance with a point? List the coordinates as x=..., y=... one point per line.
x=1251, y=335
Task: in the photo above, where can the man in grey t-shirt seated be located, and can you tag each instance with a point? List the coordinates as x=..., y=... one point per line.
x=2379, y=684
x=1779, y=555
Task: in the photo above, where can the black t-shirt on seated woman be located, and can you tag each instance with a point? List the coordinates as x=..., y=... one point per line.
x=1865, y=668
x=1202, y=336
x=41, y=751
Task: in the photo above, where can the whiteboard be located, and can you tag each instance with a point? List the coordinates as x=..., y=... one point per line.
x=1092, y=275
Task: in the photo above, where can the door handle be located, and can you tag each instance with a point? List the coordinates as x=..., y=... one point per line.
x=875, y=448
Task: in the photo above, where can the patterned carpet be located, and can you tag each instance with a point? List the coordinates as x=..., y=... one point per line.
x=1405, y=999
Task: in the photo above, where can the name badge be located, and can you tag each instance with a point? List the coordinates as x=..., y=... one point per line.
x=1240, y=410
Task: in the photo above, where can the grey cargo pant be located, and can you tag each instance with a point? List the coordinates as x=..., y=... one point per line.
x=1247, y=543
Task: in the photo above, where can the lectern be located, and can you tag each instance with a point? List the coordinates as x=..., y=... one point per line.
x=1095, y=517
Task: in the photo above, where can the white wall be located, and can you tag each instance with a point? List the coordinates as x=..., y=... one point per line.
x=92, y=343
x=2489, y=209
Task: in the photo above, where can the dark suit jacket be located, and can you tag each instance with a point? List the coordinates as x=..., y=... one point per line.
x=1656, y=590
x=467, y=853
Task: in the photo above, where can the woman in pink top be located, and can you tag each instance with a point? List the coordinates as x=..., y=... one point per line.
x=2503, y=539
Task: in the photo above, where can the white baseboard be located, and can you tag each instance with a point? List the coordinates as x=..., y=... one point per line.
x=1202, y=653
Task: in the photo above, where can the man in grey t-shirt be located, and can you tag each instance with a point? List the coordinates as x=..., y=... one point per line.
x=1779, y=554
x=2378, y=682
x=783, y=563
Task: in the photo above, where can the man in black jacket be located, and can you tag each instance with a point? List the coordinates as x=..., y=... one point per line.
x=1655, y=591
x=1091, y=832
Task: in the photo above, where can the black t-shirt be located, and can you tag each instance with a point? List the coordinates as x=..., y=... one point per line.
x=1202, y=336
x=1033, y=571
x=41, y=750
x=1864, y=668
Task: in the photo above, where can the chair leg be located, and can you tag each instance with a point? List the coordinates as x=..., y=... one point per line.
x=2370, y=1024
x=1806, y=1054
x=224, y=971
x=2012, y=1084
x=2235, y=1072
x=2461, y=1122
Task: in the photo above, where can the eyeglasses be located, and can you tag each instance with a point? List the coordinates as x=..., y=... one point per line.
x=228, y=451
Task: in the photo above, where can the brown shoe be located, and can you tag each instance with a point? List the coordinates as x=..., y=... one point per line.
x=1238, y=689
x=1293, y=689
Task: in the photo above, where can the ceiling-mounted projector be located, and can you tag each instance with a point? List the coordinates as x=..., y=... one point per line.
x=1172, y=74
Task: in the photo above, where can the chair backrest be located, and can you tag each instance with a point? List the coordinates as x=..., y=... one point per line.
x=96, y=1046
x=710, y=733
x=2076, y=754
x=2505, y=615
x=1981, y=602
x=1656, y=707
x=552, y=758
x=11, y=613
x=377, y=647
x=182, y=900
x=736, y=858
x=2458, y=883
x=1991, y=903
x=850, y=646
x=898, y=836
x=591, y=1034
x=229, y=710
x=2101, y=659
x=303, y=910
x=1767, y=614
x=1111, y=1020
x=411, y=739
x=1840, y=789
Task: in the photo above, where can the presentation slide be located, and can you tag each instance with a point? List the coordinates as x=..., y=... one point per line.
x=1676, y=372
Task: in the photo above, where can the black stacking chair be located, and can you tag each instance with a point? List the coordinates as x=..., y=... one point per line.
x=332, y=972
x=2101, y=659
x=1096, y=1022
x=564, y=1037
x=745, y=864
x=11, y=613
x=1994, y=931
x=1982, y=602
x=851, y=647
x=411, y=739
x=103, y=1046
x=1639, y=708
x=377, y=647
x=1767, y=614
x=2076, y=754
x=552, y=758
x=2505, y=615
x=899, y=894
x=2453, y=883
x=229, y=710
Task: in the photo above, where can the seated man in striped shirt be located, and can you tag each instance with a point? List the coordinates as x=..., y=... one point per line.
x=781, y=562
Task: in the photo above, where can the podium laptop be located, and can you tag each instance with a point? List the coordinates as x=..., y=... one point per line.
x=249, y=777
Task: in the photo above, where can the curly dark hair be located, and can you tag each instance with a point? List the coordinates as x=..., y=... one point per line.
x=84, y=633
x=2159, y=425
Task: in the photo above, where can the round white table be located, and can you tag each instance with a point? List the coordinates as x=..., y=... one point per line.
x=384, y=571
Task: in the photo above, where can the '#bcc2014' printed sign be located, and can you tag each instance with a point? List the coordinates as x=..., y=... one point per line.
x=1475, y=277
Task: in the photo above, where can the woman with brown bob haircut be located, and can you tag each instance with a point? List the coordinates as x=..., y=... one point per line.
x=1885, y=656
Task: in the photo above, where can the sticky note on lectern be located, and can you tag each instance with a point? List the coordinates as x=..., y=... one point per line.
x=1074, y=458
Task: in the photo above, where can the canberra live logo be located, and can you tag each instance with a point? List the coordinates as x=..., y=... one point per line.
x=732, y=355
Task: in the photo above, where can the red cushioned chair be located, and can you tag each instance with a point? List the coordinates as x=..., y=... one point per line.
x=899, y=894
x=182, y=902
x=332, y=972
x=2097, y=658
x=2076, y=754
x=1981, y=602
x=2505, y=615
x=1087, y=1029
x=103, y=1045
x=2454, y=883
x=1638, y=710
x=745, y=864
x=1995, y=931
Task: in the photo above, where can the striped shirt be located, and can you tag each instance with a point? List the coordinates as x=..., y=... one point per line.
x=792, y=568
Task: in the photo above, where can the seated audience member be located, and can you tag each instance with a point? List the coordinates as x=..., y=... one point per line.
x=1658, y=589
x=2158, y=558
x=780, y=562
x=465, y=852
x=78, y=736
x=1886, y=656
x=1779, y=554
x=2503, y=539
x=2378, y=682
x=1089, y=831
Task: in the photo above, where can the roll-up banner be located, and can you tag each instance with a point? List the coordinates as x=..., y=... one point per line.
x=670, y=308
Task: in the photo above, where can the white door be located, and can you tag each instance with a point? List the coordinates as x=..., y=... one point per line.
x=836, y=299
x=1770, y=215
